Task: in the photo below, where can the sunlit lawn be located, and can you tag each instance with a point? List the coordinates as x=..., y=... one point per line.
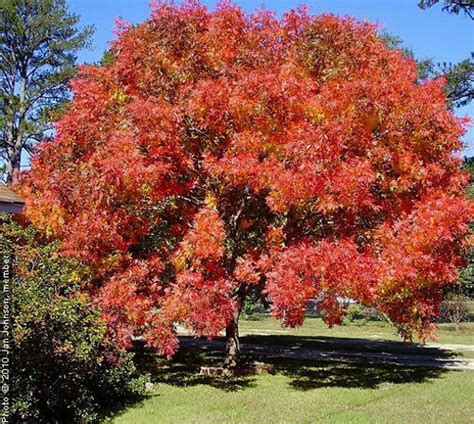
x=447, y=333
x=276, y=399
x=353, y=336
x=304, y=391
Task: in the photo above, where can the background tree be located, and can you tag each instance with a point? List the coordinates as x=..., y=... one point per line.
x=466, y=277
x=460, y=92
x=217, y=154
x=38, y=45
x=459, y=86
x=460, y=81
x=451, y=6
x=460, y=76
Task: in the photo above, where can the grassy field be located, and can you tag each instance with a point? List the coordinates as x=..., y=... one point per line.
x=447, y=333
x=304, y=391
x=309, y=393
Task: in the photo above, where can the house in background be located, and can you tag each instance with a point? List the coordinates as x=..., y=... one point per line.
x=9, y=201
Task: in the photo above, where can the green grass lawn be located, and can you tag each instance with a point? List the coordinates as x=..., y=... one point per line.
x=305, y=391
x=302, y=392
x=447, y=333
x=369, y=336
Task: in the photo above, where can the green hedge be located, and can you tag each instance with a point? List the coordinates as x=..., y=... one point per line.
x=64, y=369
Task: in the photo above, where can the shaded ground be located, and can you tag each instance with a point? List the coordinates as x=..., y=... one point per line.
x=355, y=351
x=305, y=372
x=368, y=343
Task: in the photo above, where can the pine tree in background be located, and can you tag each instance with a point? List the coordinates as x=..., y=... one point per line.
x=460, y=77
x=39, y=40
x=451, y=6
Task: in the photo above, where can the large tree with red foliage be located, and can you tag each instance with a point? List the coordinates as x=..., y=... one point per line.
x=219, y=153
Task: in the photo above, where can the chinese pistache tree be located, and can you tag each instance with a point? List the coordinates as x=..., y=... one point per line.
x=218, y=153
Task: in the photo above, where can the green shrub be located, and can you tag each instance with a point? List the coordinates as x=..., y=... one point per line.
x=253, y=308
x=64, y=369
x=455, y=308
x=360, y=314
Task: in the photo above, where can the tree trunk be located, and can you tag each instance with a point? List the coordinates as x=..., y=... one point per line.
x=232, y=349
x=13, y=162
x=16, y=133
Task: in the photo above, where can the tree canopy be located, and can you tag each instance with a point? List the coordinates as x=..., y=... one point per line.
x=217, y=153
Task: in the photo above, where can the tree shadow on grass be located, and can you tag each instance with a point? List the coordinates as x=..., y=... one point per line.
x=314, y=375
x=107, y=413
x=304, y=374
x=184, y=369
x=356, y=345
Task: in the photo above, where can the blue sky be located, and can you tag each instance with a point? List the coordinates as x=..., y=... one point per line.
x=428, y=33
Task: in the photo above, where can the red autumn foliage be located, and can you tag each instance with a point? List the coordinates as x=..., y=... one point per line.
x=219, y=152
